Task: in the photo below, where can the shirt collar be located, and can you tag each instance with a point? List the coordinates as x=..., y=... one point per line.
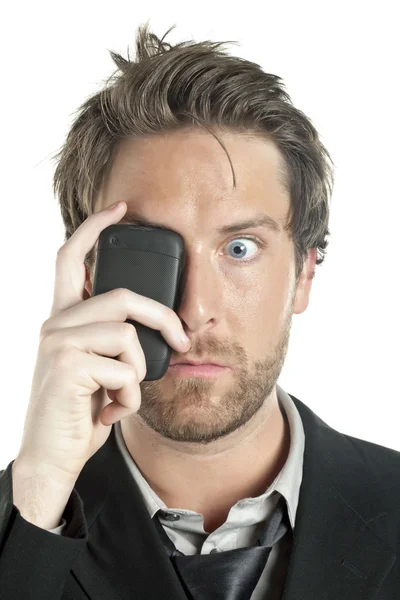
x=287, y=482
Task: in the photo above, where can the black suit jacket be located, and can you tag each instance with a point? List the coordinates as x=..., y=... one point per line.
x=345, y=547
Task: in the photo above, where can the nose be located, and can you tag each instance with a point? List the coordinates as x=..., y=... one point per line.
x=200, y=295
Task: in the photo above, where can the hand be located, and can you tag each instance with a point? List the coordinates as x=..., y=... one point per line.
x=68, y=418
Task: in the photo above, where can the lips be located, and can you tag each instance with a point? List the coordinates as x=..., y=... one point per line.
x=196, y=363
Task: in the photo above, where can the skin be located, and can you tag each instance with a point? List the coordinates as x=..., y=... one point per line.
x=204, y=444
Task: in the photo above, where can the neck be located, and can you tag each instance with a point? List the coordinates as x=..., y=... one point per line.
x=210, y=479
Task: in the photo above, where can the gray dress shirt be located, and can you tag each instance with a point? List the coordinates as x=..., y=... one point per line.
x=245, y=519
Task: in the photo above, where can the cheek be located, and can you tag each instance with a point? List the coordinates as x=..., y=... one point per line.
x=259, y=307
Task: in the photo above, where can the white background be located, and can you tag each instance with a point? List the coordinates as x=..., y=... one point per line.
x=339, y=62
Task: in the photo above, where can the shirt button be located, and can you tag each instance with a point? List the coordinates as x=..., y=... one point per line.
x=170, y=516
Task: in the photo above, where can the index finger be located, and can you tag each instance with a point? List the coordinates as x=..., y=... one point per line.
x=70, y=274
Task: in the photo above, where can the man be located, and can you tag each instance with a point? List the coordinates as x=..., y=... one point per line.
x=211, y=482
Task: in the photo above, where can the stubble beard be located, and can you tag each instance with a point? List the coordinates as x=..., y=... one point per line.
x=194, y=413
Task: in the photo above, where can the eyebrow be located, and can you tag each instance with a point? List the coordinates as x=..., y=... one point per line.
x=258, y=220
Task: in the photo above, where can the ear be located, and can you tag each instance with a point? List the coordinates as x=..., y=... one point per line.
x=303, y=289
x=88, y=285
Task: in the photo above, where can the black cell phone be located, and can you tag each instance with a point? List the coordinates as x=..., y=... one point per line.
x=148, y=261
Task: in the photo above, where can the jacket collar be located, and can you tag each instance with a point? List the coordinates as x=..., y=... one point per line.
x=339, y=546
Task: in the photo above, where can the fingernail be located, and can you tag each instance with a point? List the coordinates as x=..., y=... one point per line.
x=185, y=341
x=114, y=205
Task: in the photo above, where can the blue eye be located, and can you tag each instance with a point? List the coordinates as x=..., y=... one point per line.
x=239, y=249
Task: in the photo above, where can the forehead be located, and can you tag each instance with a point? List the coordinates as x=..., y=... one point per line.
x=187, y=172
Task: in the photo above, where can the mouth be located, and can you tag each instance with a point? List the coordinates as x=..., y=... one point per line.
x=194, y=363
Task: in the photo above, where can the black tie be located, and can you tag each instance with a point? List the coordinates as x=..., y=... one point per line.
x=228, y=575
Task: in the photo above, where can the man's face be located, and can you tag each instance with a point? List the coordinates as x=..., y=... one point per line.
x=235, y=312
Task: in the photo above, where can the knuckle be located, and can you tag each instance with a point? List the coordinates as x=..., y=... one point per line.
x=174, y=320
x=170, y=315
x=133, y=375
x=121, y=295
x=62, y=252
x=139, y=371
x=49, y=338
x=63, y=358
x=144, y=371
x=129, y=331
x=45, y=328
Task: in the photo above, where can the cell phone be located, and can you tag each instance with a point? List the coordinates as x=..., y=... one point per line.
x=148, y=261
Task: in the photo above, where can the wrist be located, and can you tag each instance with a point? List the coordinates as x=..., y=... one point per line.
x=24, y=468
x=40, y=498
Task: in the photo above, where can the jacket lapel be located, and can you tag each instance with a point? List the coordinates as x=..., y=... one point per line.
x=124, y=557
x=338, y=550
